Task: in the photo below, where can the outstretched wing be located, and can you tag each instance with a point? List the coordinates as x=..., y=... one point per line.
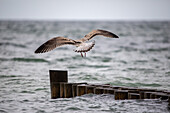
x=98, y=32
x=53, y=43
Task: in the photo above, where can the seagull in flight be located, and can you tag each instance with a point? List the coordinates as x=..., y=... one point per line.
x=82, y=45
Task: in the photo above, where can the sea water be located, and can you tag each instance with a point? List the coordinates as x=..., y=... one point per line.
x=139, y=58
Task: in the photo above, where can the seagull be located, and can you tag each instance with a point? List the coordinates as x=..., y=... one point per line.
x=82, y=45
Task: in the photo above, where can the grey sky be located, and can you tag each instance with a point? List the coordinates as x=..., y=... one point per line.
x=85, y=9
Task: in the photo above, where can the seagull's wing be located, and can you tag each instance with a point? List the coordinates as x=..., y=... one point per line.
x=53, y=43
x=98, y=32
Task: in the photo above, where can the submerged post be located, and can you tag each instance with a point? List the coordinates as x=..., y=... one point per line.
x=121, y=94
x=57, y=76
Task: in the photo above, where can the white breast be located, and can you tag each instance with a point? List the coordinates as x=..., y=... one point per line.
x=84, y=47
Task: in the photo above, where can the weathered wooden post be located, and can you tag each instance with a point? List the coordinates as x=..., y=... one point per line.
x=57, y=76
x=74, y=90
x=133, y=91
x=152, y=96
x=81, y=89
x=62, y=89
x=109, y=91
x=141, y=94
x=121, y=94
x=147, y=95
x=167, y=92
x=133, y=96
x=90, y=89
x=99, y=90
x=68, y=90
x=162, y=96
x=143, y=91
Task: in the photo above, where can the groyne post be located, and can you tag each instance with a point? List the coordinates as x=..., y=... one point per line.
x=121, y=94
x=60, y=88
x=56, y=77
x=68, y=90
x=90, y=89
x=81, y=89
x=98, y=90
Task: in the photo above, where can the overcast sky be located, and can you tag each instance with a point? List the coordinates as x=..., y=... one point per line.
x=85, y=9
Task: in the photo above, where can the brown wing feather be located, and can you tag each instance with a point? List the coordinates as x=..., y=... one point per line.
x=53, y=43
x=98, y=32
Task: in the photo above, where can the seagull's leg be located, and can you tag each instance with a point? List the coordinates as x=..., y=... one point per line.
x=81, y=54
x=85, y=54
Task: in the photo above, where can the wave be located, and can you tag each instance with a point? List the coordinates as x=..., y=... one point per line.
x=29, y=59
x=4, y=59
x=24, y=59
x=94, y=66
x=12, y=44
x=125, y=78
x=145, y=70
x=88, y=77
x=9, y=76
x=158, y=49
x=137, y=84
x=128, y=48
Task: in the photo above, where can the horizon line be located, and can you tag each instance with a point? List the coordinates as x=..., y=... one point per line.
x=29, y=19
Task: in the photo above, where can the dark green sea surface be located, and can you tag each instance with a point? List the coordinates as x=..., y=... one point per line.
x=139, y=58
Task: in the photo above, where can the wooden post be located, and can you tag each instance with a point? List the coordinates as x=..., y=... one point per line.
x=147, y=90
x=133, y=91
x=68, y=90
x=162, y=96
x=81, y=89
x=158, y=94
x=106, y=86
x=55, y=90
x=74, y=88
x=109, y=91
x=160, y=91
x=90, y=89
x=147, y=95
x=99, y=90
x=62, y=89
x=133, y=96
x=121, y=94
x=128, y=88
x=152, y=96
x=116, y=87
x=141, y=94
x=166, y=92
x=57, y=76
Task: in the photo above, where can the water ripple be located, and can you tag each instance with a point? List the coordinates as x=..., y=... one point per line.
x=29, y=59
x=139, y=58
x=12, y=44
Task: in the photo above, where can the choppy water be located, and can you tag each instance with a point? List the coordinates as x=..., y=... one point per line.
x=139, y=58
